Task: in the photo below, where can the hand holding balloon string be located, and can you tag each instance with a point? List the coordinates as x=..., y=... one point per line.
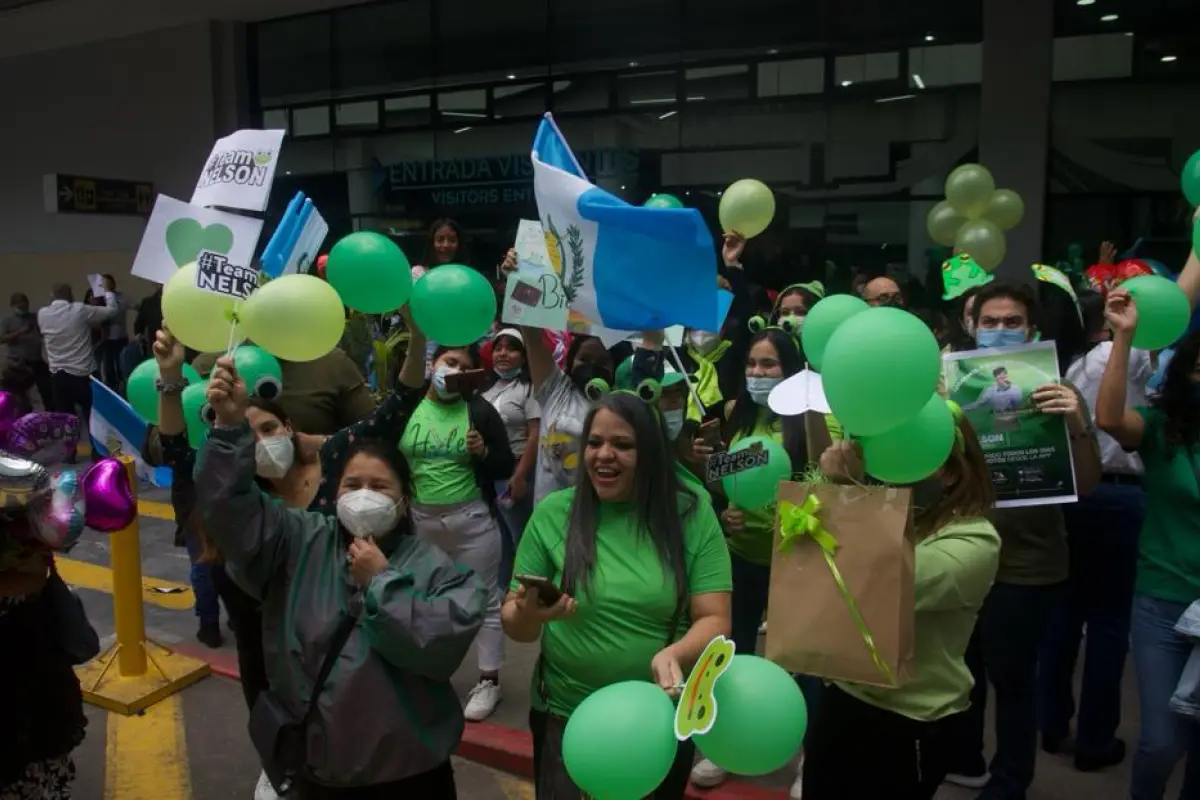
x=227, y=393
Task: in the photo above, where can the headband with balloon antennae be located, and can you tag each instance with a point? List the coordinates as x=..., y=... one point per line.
x=787, y=325
x=647, y=391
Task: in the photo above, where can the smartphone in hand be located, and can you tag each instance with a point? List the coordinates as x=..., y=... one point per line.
x=710, y=434
x=467, y=381
x=547, y=592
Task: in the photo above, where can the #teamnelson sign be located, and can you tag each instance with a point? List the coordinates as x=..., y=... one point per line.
x=239, y=171
x=216, y=274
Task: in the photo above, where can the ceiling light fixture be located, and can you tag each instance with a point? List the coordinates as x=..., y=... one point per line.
x=773, y=52
x=463, y=130
x=920, y=84
x=1169, y=59
x=847, y=83
x=1110, y=18
x=668, y=114
x=929, y=37
x=1084, y=2
x=512, y=77
x=633, y=63
x=467, y=114
x=894, y=99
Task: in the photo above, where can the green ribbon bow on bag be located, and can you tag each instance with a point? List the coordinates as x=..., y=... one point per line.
x=799, y=521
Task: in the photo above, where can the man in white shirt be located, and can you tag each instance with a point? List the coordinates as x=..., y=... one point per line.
x=67, y=333
x=115, y=336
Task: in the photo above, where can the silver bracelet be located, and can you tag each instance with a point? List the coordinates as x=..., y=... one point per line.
x=172, y=387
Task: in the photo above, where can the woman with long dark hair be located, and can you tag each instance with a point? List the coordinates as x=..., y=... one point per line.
x=1164, y=434
x=638, y=558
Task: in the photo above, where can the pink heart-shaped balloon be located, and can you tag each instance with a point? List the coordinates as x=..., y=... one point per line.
x=109, y=504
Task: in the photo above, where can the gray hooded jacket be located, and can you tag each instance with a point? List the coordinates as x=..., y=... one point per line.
x=388, y=710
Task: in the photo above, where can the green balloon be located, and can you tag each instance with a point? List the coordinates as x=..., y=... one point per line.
x=755, y=488
x=1189, y=179
x=142, y=392
x=1163, y=311
x=197, y=415
x=760, y=718
x=453, y=305
x=914, y=450
x=822, y=320
x=663, y=201
x=370, y=272
x=879, y=368
x=260, y=370
x=620, y=742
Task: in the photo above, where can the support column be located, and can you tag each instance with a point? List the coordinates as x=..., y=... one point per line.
x=1014, y=117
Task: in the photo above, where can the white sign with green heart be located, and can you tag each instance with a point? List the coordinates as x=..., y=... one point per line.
x=178, y=232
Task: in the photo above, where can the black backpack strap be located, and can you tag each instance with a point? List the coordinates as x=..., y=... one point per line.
x=340, y=636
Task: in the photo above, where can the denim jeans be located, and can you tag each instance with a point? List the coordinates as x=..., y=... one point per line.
x=1004, y=651
x=512, y=522
x=1103, y=530
x=1159, y=655
x=208, y=608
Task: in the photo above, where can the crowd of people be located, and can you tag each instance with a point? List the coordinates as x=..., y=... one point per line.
x=361, y=542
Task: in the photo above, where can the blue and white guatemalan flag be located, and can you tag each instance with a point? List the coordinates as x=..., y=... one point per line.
x=115, y=426
x=623, y=267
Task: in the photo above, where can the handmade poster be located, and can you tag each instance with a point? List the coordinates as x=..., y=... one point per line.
x=697, y=709
x=177, y=232
x=535, y=299
x=531, y=247
x=240, y=170
x=1028, y=452
x=217, y=274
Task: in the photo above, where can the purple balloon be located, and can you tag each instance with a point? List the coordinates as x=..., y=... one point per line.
x=10, y=412
x=108, y=497
x=59, y=522
x=45, y=437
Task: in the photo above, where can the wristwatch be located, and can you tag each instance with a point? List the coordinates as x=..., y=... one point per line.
x=174, y=387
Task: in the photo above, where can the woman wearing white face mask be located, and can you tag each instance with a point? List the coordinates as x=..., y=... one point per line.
x=380, y=617
x=458, y=448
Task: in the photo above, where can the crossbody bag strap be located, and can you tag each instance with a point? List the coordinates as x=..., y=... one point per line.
x=340, y=636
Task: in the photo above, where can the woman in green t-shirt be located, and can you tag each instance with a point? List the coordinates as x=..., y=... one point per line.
x=867, y=741
x=638, y=559
x=1165, y=435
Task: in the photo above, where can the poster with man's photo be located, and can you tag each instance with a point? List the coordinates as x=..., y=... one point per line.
x=1028, y=452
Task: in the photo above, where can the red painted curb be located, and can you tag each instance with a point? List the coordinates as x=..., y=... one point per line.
x=495, y=746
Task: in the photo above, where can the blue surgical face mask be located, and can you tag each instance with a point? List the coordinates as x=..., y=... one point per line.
x=1000, y=337
x=439, y=383
x=673, y=421
x=507, y=374
x=759, y=387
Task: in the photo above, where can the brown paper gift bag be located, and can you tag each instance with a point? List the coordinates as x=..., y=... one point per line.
x=812, y=627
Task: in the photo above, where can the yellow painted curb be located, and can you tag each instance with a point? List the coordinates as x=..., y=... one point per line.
x=146, y=755
x=162, y=593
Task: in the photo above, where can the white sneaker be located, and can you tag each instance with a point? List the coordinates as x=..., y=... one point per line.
x=968, y=781
x=797, y=790
x=706, y=774
x=482, y=701
x=264, y=790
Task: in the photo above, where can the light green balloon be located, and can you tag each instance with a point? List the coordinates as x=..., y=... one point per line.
x=879, y=368
x=822, y=320
x=197, y=414
x=142, y=392
x=260, y=370
x=747, y=207
x=199, y=319
x=760, y=718
x=619, y=743
x=370, y=272
x=453, y=305
x=914, y=450
x=1163, y=311
x=296, y=317
x=755, y=489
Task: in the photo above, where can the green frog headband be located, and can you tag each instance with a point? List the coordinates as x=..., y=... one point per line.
x=648, y=390
x=788, y=325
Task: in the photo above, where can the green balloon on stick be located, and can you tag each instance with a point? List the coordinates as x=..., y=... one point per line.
x=880, y=367
x=370, y=272
x=1163, y=311
x=663, y=200
x=141, y=388
x=914, y=450
x=619, y=743
x=453, y=305
x=822, y=320
x=760, y=718
x=197, y=414
x=755, y=489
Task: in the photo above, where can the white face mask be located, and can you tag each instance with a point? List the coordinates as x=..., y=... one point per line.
x=673, y=420
x=366, y=512
x=439, y=382
x=274, y=455
x=703, y=341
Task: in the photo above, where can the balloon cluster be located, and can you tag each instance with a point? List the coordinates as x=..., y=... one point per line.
x=620, y=742
x=59, y=506
x=880, y=370
x=974, y=215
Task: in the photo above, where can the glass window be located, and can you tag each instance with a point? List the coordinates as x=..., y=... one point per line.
x=801, y=76
x=310, y=121
x=408, y=112
x=1086, y=58
x=357, y=116
x=866, y=68
x=730, y=82
x=614, y=33
x=294, y=60
x=490, y=41
x=581, y=93
x=659, y=88
x=466, y=105
x=519, y=100
x=383, y=47
x=760, y=28
x=275, y=119
x=945, y=65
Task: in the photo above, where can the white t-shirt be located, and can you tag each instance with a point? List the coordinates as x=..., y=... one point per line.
x=563, y=410
x=1085, y=372
x=515, y=403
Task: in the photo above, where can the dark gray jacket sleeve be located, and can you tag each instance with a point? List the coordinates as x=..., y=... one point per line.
x=423, y=612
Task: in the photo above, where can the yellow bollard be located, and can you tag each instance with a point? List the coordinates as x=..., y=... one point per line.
x=146, y=671
x=126, y=552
